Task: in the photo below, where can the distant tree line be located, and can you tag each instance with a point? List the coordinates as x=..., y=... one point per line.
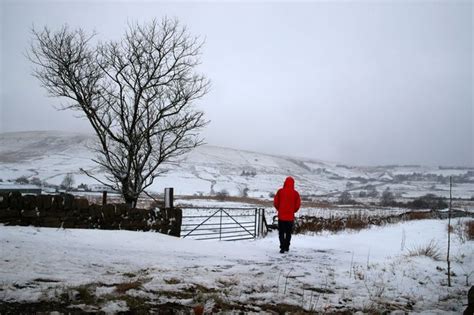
x=467, y=177
x=387, y=199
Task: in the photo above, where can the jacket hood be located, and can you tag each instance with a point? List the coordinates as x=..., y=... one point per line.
x=289, y=183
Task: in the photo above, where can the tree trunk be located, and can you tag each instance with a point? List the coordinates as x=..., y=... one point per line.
x=128, y=196
x=130, y=201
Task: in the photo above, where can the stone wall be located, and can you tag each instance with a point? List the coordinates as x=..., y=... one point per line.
x=68, y=211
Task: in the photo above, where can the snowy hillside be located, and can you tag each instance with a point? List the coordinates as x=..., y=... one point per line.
x=50, y=155
x=113, y=271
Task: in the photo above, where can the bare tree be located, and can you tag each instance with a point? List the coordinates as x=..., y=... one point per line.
x=388, y=198
x=137, y=93
x=345, y=198
x=67, y=182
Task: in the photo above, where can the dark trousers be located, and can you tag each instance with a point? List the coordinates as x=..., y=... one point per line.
x=285, y=228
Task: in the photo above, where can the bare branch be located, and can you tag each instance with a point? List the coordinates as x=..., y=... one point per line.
x=137, y=93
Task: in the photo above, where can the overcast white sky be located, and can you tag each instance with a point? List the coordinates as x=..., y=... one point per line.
x=353, y=82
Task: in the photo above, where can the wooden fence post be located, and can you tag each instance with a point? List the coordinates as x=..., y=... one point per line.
x=104, y=197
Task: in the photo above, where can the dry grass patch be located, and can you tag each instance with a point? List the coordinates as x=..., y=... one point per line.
x=122, y=288
x=429, y=250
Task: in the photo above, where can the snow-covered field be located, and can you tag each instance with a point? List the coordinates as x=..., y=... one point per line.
x=348, y=271
x=369, y=270
x=50, y=155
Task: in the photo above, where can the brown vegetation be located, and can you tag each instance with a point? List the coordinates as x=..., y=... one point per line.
x=125, y=286
x=469, y=229
x=450, y=228
x=355, y=222
x=313, y=224
x=418, y=215
x=198, y=309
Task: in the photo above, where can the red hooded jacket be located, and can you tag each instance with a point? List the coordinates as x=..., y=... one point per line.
x=287, y=201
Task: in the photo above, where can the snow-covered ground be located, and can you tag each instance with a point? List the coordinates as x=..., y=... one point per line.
x=366, y=270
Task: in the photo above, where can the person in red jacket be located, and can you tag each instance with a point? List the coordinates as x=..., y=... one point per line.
x=287, y=201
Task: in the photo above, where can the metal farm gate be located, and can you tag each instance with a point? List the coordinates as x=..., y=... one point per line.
x=227, y=224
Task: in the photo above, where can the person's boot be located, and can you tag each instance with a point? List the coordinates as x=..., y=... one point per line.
x=282, y=251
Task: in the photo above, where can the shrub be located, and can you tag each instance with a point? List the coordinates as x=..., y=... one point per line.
x=345, y=198
x=198, y=309
x=372, y=191
x=387, y=198
x=222, y=195
x=67, y=182
x=84, y=294
x=35, y=181
x=429, y=201
x=22, y=180
x=450, y=228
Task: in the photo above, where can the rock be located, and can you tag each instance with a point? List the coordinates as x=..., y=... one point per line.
x=29, y=202
x=108, y=211
x=3, y=201
x=44, y=202
x=58, y=203
x=69, y=223
x=15, y=200
x=81, y=204
x=29, y=214
x=68, y=201
x=50, y=222
x=8, y=214
x=95, y=210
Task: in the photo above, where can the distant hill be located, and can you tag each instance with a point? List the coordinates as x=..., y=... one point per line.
x=50, y=155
